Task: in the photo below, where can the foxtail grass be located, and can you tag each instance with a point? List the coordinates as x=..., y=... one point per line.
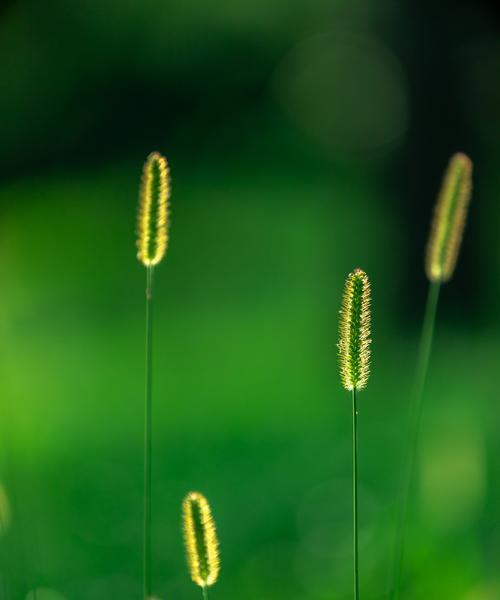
x=443, y=248
x=152, y=243
x=200, y=539
x=449, y=219
x=354, y=360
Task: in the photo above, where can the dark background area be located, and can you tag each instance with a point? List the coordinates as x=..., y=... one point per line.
x=304, y=139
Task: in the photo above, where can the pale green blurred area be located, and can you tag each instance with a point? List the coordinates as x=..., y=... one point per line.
x=296, y=134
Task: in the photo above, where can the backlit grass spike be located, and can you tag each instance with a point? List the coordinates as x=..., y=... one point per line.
x=153, y=214
x=449, y=219
x=200, y=538
x=354, y=332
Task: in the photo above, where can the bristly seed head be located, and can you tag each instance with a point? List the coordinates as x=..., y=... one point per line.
x=449, y=219
x=200, y=538
x=153, y=214
x=354, y=332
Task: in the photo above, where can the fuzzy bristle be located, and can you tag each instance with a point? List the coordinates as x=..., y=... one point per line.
x=449, y=219
x=200, y=537
x=354, y=332
x=153, y=214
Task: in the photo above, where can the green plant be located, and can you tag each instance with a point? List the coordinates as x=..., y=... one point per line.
x=441, y=258
x=200, y=538
x=152, y=242
x=354, y=359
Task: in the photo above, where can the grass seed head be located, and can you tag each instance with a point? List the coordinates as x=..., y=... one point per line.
x=354, y=332
x=153, y=214
x=449, y=219
x=200, y=537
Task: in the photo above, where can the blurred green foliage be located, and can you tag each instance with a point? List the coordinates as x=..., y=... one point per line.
x=304, y=139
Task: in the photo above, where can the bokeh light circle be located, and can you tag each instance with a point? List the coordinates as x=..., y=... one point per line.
x=348, y=91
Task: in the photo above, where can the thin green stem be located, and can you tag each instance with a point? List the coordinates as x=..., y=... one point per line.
x=424, y=354
x=3, y=585
x=147, y=433
x=355, y=491
x=204, y=591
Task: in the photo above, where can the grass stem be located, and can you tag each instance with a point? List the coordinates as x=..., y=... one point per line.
x=204, y=590
x=147, y=433
x=355, y=490
x=414, y=430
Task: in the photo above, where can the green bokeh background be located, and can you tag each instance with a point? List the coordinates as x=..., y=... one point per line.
x=304, y=138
